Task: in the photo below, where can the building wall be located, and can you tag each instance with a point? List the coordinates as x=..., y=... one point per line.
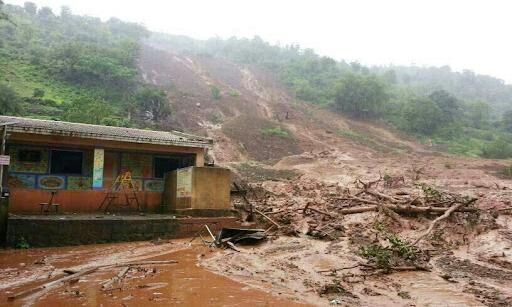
x=198, y=188
x=31, y=183
x=211, y=188
x=26, y=201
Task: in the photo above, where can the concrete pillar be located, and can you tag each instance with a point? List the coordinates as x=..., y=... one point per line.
x=200, y=158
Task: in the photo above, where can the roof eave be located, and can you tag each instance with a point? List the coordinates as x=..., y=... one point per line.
x=208, y=143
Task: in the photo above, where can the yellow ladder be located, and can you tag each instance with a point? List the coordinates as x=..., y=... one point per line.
x=123, y=183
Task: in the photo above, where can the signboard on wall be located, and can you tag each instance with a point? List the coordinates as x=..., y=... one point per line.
x=97, y=173
x=5, y=160
x=184, y=182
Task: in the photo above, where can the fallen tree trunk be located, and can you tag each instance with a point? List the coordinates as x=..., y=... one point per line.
x=306, y=208
x=361, y=200
x=403, y=209
x=52, y=284
x=442, y=217
x=373, y=267
x=383, y=196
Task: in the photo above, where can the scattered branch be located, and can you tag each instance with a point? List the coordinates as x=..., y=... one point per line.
x=442, y=217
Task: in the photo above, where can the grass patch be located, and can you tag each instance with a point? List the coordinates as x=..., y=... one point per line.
x=506, y=172
x=392, y=254
x=254, y=172
x=277, y=131
x=234, y=93
x=365, y=140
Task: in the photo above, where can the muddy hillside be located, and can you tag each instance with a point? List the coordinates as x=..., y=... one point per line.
x=252, y=116
x=356, y=213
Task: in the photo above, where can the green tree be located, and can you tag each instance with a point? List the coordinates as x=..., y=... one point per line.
x=88, y=111
x=45, y=13
x=506, y=121
x=361, y=96
x=448, y=105
x=65, y=12
x=38, y=93
x=153, y=104
x=9, y=101
x=421, y=115
x=30, y=8
x=477, y=113
x=499, y=149
x=3, y=15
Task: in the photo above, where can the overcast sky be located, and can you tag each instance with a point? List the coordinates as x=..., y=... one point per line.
x=465, y=34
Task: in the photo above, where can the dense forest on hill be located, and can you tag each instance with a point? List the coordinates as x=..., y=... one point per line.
x=70, y=67
x=79, y=68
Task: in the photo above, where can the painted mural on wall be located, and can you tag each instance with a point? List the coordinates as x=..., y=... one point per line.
x=79, y=183
x=154, y=185
x=51, y=182
x=30, y=169
x=98, y=166
x=39, y=165
x=138, y=164
x=21, y=181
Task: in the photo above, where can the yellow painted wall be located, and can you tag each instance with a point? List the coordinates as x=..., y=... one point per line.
x=210, y=189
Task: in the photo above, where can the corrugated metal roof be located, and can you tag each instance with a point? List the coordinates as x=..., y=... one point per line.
x=48, y=127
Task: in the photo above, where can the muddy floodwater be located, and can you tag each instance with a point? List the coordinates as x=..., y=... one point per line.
x=182, y=283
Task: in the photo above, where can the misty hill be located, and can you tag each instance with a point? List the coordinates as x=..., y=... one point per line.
x=321, y=72
x=259, y=101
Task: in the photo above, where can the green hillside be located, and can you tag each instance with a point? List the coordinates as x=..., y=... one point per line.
x=70, y=67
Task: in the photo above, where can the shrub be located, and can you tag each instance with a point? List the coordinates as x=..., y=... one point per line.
x=22, y=243
x=499, y=149
x=38, y=93
x=234, y=93
x=507, y=171
x=216, y=93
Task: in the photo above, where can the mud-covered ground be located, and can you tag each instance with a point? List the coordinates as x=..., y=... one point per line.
x=176, y=284
x=472, y=275
x=468, y=256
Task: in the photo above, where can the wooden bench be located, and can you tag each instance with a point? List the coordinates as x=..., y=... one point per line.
x=47, y=207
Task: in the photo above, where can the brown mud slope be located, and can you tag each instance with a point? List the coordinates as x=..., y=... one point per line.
x=255, y=118
x=177, y=284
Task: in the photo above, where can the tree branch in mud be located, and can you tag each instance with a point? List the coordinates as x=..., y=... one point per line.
x=373, y=267
x=57, y=283
x=52, y=284
x=368, y=185
x=442, y=217
x=118, y=278
x=268, y=218
x=306, y=208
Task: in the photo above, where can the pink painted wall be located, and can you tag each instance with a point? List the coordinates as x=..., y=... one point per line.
x=27, y=201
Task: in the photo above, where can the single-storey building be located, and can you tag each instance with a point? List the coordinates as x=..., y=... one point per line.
x=80, y=162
